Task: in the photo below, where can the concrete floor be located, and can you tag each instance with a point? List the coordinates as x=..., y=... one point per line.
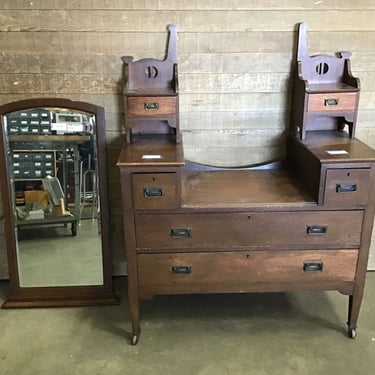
x=262, y=334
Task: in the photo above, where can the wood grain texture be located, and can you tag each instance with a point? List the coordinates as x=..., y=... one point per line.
x=235, y=60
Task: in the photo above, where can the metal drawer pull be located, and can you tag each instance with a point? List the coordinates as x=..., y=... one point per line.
x=181, y=270
x=151, y=106
x=316, y=229
x=153, y=192
x=180, y=233
x=331, y=102
x=312, y=266
x=346, y=187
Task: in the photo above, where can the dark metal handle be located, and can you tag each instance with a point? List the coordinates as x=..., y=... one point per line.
x=180, y=233
x=153, y=192
x=316, y=229
x=151, y=106
x=181, y=270
x=331, y=102
x=346, y=187
x=312, y=266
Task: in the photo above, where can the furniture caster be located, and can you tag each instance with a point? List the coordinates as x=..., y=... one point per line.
x=352, y=332
x=135, y=338
x=74, y=229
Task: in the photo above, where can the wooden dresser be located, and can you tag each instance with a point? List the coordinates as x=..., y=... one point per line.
x=303, y=224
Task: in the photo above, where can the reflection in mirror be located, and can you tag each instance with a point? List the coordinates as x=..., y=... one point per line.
x=55, y=196
x=55, y=201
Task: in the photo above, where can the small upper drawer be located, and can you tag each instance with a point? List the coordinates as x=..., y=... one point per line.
x=154, y=190
x=346, y=187
x=152, y=106
x=332, y=102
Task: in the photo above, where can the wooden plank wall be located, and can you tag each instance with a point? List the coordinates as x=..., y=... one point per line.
x=235, y=62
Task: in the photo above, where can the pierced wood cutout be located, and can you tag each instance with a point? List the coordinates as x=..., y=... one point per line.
x=151, y=93
x=325, y=92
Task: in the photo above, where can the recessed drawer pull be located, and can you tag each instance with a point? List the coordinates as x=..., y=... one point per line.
x=180, y=233
x=181, y=270
x=346, y=187
x=153, y=192
x=316, y=229
x=331, y=102
x=151, y=106
x=312, y=266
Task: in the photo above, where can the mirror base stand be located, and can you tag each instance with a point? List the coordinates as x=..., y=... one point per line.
x=13, y=303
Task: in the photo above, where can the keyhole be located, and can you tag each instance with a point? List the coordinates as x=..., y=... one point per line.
x=151, y=72
x=322, y=68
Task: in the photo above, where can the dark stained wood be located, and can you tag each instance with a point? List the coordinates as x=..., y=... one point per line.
x=325, y=94
x=151, y=91
x=238, y=272
x=242, y=188
x=247, y=230
x=146, y=151
x=277, y=227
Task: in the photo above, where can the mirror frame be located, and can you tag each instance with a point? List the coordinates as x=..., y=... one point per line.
x=82, y=295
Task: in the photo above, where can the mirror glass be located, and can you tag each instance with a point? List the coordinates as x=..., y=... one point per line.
x=54, y=188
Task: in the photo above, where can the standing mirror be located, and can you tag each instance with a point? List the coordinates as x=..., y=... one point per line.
x=54, y=193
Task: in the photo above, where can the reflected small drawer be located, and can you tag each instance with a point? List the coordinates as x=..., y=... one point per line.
x=332, y=102
x=154, y=190
x=346, y=187
x=152, y=106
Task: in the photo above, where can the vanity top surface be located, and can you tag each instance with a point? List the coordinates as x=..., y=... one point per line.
x=242, y=189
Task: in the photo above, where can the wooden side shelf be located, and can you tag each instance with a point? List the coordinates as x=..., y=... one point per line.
x=326, y=94
x=151, y=101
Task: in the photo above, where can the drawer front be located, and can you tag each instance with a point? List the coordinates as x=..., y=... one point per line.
x=332, y=102
x=154, y=190
x=151, y=106
x=335, y=229
x=346, y=187
x=245, y=271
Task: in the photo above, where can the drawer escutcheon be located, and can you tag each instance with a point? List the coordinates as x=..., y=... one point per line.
x=312, y=266
x=180, y=233
x=316, y=229
x=181, y=270
x=153, y=192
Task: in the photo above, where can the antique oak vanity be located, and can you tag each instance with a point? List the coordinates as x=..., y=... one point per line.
x=305, y=226
x=301, y=224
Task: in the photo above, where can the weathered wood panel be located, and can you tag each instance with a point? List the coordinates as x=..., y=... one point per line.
x=200, y=21
x=190, y=5
x=235, y=61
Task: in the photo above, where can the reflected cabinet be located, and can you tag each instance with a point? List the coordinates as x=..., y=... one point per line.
x=55, y=203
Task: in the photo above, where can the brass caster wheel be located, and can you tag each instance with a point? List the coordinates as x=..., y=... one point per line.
x=352, y=332
x=135, y=338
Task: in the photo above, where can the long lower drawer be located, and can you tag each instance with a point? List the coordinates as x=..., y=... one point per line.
x=313, y=229
x=222, y=272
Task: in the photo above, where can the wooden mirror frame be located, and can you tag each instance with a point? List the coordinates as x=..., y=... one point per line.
x=20, y=296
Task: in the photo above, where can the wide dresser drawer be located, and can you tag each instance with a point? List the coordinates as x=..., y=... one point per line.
x=313, y=229
x=223, y=272
x=151, y=106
